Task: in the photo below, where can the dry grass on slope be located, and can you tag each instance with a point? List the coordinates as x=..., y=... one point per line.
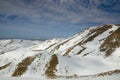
x=109, y=73
x=91, y=35
x=22, y=67
x=50, y=72
x=95, y=32
x=111, y=43
x=5, y=66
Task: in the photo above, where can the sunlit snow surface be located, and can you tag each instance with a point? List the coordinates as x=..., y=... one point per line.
x=93, y=63
x=111, y=77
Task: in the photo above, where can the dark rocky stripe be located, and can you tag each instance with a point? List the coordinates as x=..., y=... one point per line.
x=50, y=71
x=96, y=32
x=58, y=46
x=22, y=67
x=109, y=73
x=111, y=43
x=5, y=66
x=81, y=50
x=69, y=50
x=50, y=46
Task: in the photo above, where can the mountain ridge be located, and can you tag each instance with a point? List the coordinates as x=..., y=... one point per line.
x=98, y=47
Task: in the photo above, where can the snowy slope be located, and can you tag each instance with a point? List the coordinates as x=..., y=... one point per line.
x=91, y=52
x=110, y=77
x=12, y=44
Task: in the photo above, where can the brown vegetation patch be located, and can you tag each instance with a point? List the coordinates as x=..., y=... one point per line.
x=37, y=50
x=69, y=50
x=111, y=43
x=85, y=54
x=117, y=71
x=5, y=66
x=109, y=73
x=50, y=46
x=97, y=31
x=72, y=76
x=81, y=50
x=22, y=67
x=58, y=46
x=50, y=72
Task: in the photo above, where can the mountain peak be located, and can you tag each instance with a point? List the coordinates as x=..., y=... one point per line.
x=98, y=47
x=111, y=43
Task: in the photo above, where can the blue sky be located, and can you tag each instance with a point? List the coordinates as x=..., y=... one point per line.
x=43, y=19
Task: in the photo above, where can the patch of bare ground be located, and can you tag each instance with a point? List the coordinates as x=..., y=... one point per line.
x=58, y=46
x=22, y=67
x=83, y=48
x=85, y=54
x=69, y=77
x=117, y=71
x=50, y=46
x=111, y=43
x=109, y=73
x=91, y=35
x=5, y=66
x=68, y=50
x=95, y=32
x=71, y=48
x=50, y=71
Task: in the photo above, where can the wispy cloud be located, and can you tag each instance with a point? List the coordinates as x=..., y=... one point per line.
x=59, y=12
x=77, y=11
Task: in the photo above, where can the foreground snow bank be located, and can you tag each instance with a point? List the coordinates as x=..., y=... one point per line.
x=108, y=77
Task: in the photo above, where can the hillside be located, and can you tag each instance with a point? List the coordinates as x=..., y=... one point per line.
x=92, y=54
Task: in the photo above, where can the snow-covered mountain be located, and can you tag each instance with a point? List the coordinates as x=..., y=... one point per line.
x=91, y=54
x=13, y=44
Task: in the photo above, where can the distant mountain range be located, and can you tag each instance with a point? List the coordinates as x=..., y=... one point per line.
x=91, y=54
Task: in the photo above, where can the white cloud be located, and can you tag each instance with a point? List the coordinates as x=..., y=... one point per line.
x=43, y=10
